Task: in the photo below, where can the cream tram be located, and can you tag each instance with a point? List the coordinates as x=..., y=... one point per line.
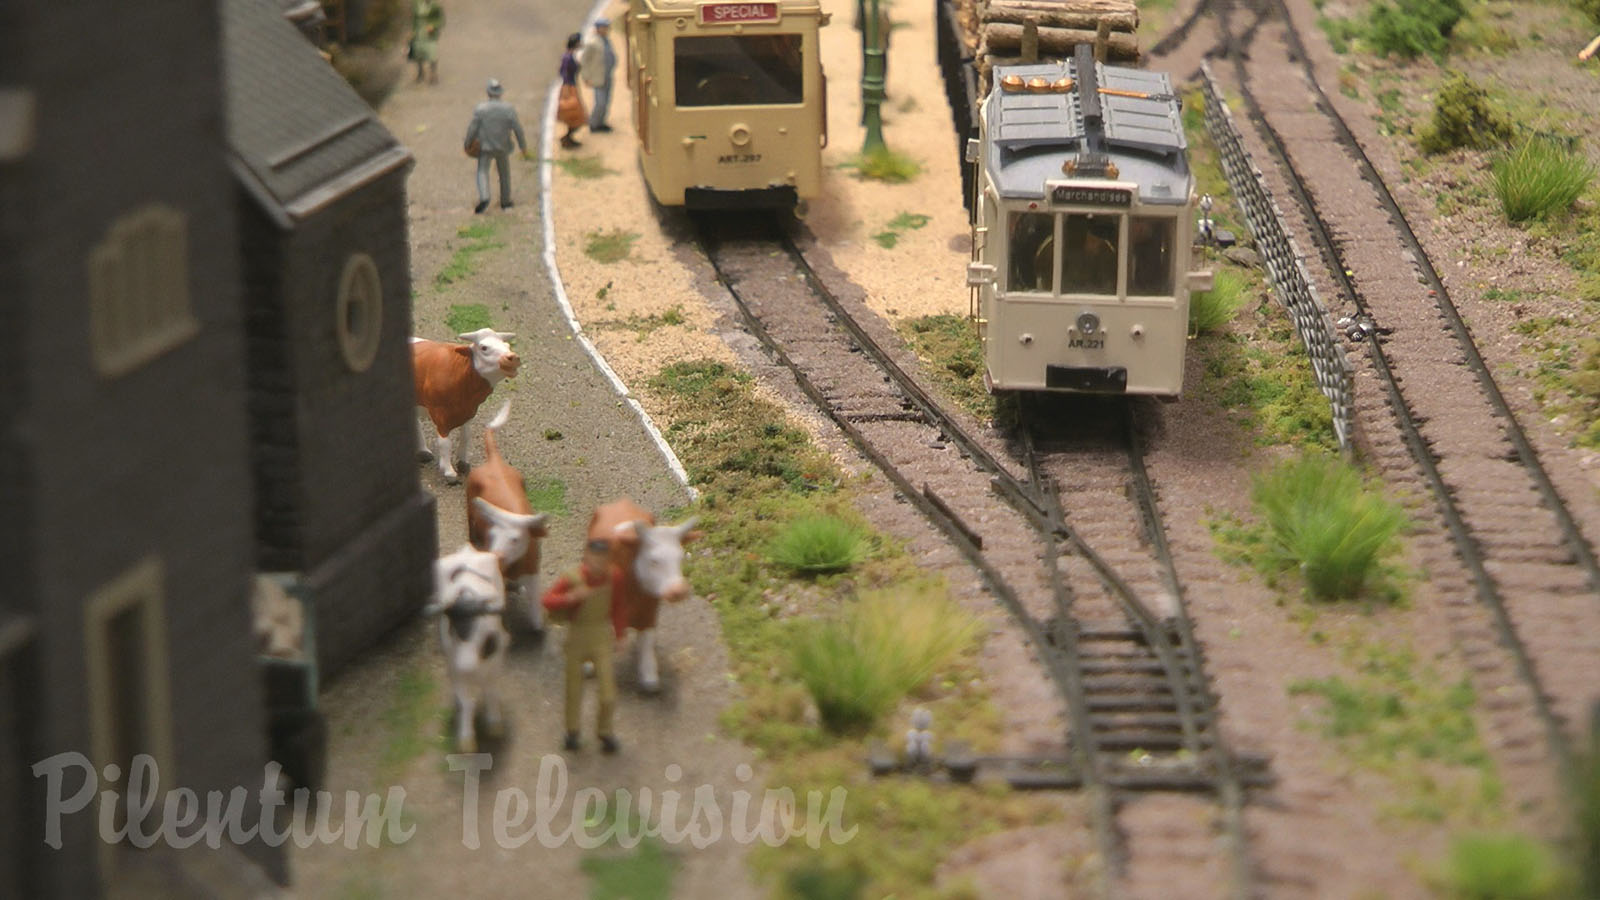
x=1082, y=230
x=729, y=100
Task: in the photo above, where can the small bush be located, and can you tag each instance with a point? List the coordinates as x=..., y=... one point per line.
x=884, y=164
x=1500, y=867
x=1323, y=520
x=1463, y=116
x=1539, y=177
x=857, y=667
x=817, y=544
x=1210, y=310
x=1412, y=28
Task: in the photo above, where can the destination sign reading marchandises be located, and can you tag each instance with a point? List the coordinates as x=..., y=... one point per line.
x=1088, y=196
x=737, y=13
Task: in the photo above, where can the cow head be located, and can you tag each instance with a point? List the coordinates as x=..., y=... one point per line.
x=492, y=357
x=658, y=562
x=467, y=582
x=510, y=533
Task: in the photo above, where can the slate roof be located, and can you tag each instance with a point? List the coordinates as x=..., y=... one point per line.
x=300, y=136
x=1031, y=135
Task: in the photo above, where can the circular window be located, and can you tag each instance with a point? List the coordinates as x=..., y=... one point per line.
x=358, y=318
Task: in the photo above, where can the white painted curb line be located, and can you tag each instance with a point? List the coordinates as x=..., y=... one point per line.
x=547, y=212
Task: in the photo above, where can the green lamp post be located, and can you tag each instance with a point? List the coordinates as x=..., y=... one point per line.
x=872, y=71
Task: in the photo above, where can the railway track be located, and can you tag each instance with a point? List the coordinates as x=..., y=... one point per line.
x=1140, y=740
x=1517, y=577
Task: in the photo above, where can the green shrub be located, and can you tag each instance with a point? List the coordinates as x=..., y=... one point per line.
x=1500, y=867
x=1210, y=310
x=1463, y=116
x=1322, y=520
x=858, y=666
x=1412, y=28
x=1539, y=177
x=818, y=544
x=884, y=164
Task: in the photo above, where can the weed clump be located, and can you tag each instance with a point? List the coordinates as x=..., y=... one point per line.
x=1412, y=28
x=1210, y=310
x=609, y=246
x=816, y=545
x=884, y=164
x=1500, y=867
x=858, y=666
x=1323, y=521
x=1539, y=177
x=1463, y=116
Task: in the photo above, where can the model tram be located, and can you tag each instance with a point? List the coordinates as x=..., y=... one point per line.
x=1082, y=228
x=729, y=100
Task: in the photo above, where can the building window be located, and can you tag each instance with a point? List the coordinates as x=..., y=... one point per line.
x=139, y=290
x=358, y=317
x=130, y=709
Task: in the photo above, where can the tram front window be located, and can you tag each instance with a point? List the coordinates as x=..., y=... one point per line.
x=1032, y=243
x=1089, y=257
x=1150, y=242
x=725, y=70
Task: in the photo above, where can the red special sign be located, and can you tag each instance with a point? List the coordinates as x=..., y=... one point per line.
x=737, y=13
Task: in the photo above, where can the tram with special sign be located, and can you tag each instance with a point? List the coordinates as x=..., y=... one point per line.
x=1083, y=221
x=729, y=100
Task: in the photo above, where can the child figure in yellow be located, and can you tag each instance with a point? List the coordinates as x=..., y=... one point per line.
x=588, y=600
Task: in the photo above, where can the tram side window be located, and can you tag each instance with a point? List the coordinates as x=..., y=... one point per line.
x=1089, y=257
x=1032, y=245
x=1150, y=242
x=725, y=70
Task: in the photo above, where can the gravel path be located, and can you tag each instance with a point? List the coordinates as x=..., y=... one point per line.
x=387, y=712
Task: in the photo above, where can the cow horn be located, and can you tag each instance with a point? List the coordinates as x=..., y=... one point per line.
x=474, y=336
x=687, y=524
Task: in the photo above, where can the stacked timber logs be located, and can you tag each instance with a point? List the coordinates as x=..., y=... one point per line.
x=1016, y=31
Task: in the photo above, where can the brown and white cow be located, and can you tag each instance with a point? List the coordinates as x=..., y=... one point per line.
x=453, y=380
x=650, y=557
x=501, y=521
x=469, y=598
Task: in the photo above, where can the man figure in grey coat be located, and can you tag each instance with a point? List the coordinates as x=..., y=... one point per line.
x=494, y=122
x=596, y=63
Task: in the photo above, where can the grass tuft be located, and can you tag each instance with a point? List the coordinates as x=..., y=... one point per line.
x=1538, y=178
x=609, y=246
x=1500, y=867
x=858, y=666
x=818, y=544
x=1323, y=521
x=589, y=166
x=548, y=495
x=1412, y=28
x=1210, y=310
x=465, y=317
x=644, y=873
x=1463, y=116
x=884, y=165
x=481, y=238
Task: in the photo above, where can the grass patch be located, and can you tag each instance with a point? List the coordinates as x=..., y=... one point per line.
x=884, y=165
x=1501, y=867
x=644, y=873
x=1210, y=310
x=1586, y=807
x=756, y=473
x=1400, y=719
x=950, y=346
x=1539, y=178
x=818, y=545
x=547, y=495
x=1412, y=28
x=858, y=666
x=413, y=722
x=467, y=317
x=1323, y=522
x=587, y=166
x=609, y=246
x=899, y=225
x=480, y=237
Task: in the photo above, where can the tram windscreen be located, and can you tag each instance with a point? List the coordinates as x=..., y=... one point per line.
x=1089, y=253
x=748, y=70
x=1031, y=243
x=1150, y=243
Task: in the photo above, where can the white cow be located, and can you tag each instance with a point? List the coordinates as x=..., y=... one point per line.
x=453, y=380
x=470, y=598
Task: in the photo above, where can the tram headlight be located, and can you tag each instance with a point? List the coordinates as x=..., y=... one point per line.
x=1088, y=324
